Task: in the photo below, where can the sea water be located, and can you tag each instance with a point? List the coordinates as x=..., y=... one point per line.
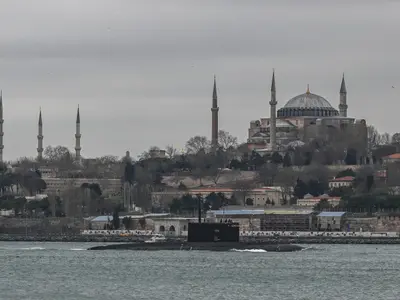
x=66, y=271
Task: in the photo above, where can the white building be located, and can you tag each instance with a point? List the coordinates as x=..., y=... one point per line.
x=345, y=181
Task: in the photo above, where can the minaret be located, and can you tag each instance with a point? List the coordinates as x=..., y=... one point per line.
x=40, y=137
x=272, y=119
x=1, y=127
x=78, y=137
x=214, y=115
x=343, y=99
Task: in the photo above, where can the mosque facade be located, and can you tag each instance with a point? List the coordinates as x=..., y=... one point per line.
x=306, y=117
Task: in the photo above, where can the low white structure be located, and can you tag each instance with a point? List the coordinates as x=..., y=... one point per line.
x=310, y=201
x=345, y=181
x=172, y=226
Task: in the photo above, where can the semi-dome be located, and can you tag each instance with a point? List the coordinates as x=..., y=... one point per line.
x=307, y=104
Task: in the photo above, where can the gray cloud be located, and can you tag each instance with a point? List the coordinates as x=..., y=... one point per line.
x=142, y=71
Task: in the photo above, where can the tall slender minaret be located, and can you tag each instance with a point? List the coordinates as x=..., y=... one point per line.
x=1, y=126
x=78, y=137
x=214, y=116
x=343, y=99
x=272, y=117
x=40, y=137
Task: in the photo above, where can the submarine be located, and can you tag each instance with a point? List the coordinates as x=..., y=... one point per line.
x=205, y=236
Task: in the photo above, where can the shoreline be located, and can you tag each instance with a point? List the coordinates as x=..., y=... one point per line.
x=255, y=240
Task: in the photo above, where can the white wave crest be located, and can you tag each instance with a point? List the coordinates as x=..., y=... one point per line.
x=77, y=249
x=29, y=248
x=249, y=250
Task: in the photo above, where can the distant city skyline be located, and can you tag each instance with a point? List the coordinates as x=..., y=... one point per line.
x=142, y=72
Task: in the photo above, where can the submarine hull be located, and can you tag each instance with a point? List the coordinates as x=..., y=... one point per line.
x=207, y=246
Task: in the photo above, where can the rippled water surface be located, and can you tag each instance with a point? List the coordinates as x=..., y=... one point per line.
x=66, y=271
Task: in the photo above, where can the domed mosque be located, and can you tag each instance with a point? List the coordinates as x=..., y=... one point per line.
x=303, y=118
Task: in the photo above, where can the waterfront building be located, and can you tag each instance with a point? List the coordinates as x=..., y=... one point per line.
x=331, y=221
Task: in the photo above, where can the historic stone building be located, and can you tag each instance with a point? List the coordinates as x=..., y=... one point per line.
x=305, y=117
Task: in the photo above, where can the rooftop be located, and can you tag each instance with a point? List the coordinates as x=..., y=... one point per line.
x=342, y=179
x=332, y=214
x=392, y=156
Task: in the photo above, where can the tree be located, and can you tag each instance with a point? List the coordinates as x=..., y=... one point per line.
x=362, y=182
x=242, y=188
x=322, y=205
x=57, y=154
x=115, y=220
x=276, y=158
x=249, y=202
x=286, y=180
x=287, y=160
x=226, y=141
x=200, y=165
x=197, y=143
x=171, y=151
x=396, y=138
x=267, y=173
x=148, y=154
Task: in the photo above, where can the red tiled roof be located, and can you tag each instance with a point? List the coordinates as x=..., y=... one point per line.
x=345, y=178
x=225, y=190
x=393, y=156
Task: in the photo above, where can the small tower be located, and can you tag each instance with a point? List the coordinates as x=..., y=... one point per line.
x=214, y=116
x=78, y=137
x=40, y=137
x=343, y=99
x=1, y=127
x=272, y=119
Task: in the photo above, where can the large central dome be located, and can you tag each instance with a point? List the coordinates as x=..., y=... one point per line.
x=307, y=104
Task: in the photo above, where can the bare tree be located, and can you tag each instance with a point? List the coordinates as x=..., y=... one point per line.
x=171, y=151
x=199, y=163
x=242, y=188
x=396, y=138
x=286, y=181
x=226, y=140
x=385, y=139
x=57, y=153
x=267, y=173
x=197, y=143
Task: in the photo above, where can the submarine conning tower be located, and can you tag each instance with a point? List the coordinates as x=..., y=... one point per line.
x=212, y=232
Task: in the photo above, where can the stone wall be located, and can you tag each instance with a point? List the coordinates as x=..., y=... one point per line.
x=40, y=225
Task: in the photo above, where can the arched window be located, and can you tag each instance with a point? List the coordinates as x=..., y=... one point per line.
x=162, y=228
x=172, y=228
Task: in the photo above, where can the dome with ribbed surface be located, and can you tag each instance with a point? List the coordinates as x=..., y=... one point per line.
x=307, y=104
x=308, y=100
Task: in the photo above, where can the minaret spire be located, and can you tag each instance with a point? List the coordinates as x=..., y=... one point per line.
x=40, y=136
x=214, y=117
x=272, y=119
x=78, y=137
x=343, y=99
x=1, y=126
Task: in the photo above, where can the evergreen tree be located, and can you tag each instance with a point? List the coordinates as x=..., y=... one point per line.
x=287, y=160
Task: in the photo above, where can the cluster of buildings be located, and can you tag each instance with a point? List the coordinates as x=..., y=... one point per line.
x=260, y=221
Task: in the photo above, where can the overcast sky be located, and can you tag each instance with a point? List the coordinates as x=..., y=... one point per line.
x=142, y=71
